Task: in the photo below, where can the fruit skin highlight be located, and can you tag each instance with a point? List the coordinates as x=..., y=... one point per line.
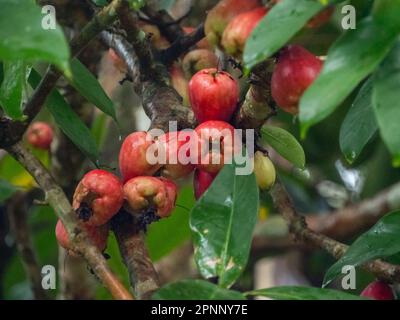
x=239, y=29
x=378, y=290
x=150, y=194
x=220, y=16
x=294, y=72
x=98, y=236
x=201, y=182
x=216, y=145
x=213, y=95
x=40, y=135
x=264, y=171
x=132, y=156
x=98, y=197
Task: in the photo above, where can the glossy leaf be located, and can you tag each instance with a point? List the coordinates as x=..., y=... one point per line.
x=68, y=121
x=89, y=87
x=6, y=190
x=386, y=97
x=195, y=290
x=381, y=241
x=359, y=126
x=285, y=144
x=23, y=37
x=278, y=26
x=353, y=57
x=160, y=241
x=100, y=3
x=222, y=224
x=303, y=293
x=12, y=87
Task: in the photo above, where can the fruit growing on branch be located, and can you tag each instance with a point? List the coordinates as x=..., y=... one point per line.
x=40, y=135
x=133, y=156
x=378, y=290
x=213, y=95
x=197, y=60
x=201, y=182
x=239, y=29
x=98, y=236
x=294, y=72
x=216, y=145
x=98, y=197
x=219, y=17
x=150, y=195
x=264, y=171
x=176, y=148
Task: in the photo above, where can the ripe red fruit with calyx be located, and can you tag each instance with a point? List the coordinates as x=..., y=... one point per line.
x=201, y=182
x=176, y=148
x=219, y=17
x=213, y=95
x=151, y=194
x=294, y=72
x=216, y=144
x=40, y=135
x=239, y=29
x=133, y=161
x=98, y=236
x=98, y=197
x=378, y=290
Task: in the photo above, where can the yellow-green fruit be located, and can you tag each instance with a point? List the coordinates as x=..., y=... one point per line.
x=264, y=170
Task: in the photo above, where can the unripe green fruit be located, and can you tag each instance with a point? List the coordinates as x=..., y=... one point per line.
x=264, y=170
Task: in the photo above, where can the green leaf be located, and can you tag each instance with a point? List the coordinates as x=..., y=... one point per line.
x=386, y=96
x=222, y=223
x=354, y=55
x=285, y=144
x=6, y=190
x=303, y=293
x=359, y=126
x=195, y=290
x=100, y=3
x=22, y=36
x=387, y=13
x=12, y=88
x=166, y=234
x=278, y=26
x=88, y=86
x=136, y=4
x=382, y=240
x=68, y=121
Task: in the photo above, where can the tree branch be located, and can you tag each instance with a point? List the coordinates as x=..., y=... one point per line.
x=17, y=209
x=181, y=45
x=298, y=227
x=79, y=240
x=11, y=131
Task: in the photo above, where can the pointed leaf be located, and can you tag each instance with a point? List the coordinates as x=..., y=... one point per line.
x=195, y=290
x=386, y=96
x=359, y=126
x=278, y=26
x=381, y=241
x=89, y=87
x=222, y=224
x=285, y=144
x=68, y=121
x=22, y=36
x=353, y=57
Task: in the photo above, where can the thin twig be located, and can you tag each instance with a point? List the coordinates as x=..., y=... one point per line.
x=79, y=240
x=17, y=208
x=298, y=227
